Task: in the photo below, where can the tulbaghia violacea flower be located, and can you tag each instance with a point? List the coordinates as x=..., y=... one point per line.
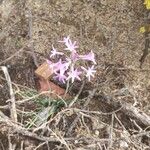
x=74, y=74
x=65, y=68
x=89, y=72
x=54, y=52
x=90, y=57
x=71, y=46
x=59, y=66
x=74, y=56
x=61, y=76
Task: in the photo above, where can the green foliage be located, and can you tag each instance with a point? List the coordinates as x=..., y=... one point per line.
x=46, y=108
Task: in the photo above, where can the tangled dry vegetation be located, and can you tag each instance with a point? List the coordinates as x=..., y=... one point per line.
x=111, y=112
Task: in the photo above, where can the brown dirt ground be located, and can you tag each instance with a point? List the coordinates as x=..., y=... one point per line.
x=109, y=27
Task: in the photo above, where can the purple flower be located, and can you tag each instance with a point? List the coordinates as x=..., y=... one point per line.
x=59, y=66
x=71, y=46
x=60, y=76
x=89, y=72
x=90, y=57
x=55, y=52
x=72, y=59
x=65, y=69
x=74, y=74
x=74, y=56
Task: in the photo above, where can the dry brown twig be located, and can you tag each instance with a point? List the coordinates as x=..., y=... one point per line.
x=20, y=130
x=12, y=56
x=60, y=138
x=2, y=145
x=40, y=145
x=12, y=96
x=135, y=113
x=14, y=128
x=31, y=39
x=26, y=99
x=73, y=124
x=128, y=109
x=12, y=146
x=78, y=94
x=111, y=133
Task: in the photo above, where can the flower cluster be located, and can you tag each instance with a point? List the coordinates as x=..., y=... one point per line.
x=67, y=67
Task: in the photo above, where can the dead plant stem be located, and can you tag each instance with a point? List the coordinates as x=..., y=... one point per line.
x=12, y=96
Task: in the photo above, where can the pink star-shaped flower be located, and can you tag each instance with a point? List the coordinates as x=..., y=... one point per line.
x=74, y=56
x=55, y=52
x=89, y=72
x=72, y=59
x=59, y=66
x=60, y=76
x=71, y=46
x=90, y=57
x=74, y=74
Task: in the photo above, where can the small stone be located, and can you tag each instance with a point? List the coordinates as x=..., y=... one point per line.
x=123, y=144
x=76, y=141
x=56, y=91
x=96, y=132
x=44, y=71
